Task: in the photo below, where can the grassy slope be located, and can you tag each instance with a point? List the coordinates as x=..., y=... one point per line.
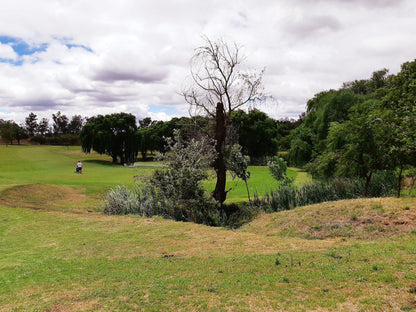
x=57, y=261
x=347, y=256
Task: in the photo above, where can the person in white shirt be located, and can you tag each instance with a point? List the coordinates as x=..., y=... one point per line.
x=79, y=167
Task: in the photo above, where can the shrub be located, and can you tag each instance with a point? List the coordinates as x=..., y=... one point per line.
x=277, y=168
x=120, y=200
x=174, y=191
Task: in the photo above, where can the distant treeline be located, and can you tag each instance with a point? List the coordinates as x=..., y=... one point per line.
x=63, y=131
x=119, y=136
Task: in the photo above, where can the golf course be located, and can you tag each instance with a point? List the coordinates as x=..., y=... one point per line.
x=60, y=252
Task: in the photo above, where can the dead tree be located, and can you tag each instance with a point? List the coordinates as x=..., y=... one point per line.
x=218, y=87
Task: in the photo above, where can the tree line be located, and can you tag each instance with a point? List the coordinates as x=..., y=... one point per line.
x=121, y=137
x=63, y=130
x=364, y=127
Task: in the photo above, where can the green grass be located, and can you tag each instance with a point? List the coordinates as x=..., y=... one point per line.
x=56, y=165
x=22, y=165
x=260, y=181
x=60, y=261
x=59, y=253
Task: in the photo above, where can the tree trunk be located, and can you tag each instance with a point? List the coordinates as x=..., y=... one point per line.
x=399, y=182
x=367, y=183
x=248, y=192
x=219, y=193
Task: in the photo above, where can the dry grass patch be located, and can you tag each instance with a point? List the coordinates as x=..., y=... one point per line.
x=49, y=197
x=360, y=218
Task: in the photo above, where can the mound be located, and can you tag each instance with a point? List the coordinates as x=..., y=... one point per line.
x=48, y=197
x=361, y=218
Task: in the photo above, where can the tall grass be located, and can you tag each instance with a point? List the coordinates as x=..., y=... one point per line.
x=286, y=197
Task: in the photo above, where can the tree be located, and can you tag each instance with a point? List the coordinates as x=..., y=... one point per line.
x=180, y=180
x=277, y=168
x=31, y=124
x=257, y=133
x=146, y=122
x=357, y=147
x=237, y=163
x=43, y=126
x=400, y=117
x=6, y=131
x=75, y=126
x=219, y=87
x=114, y=135
x=10, y=131
x=60, y=123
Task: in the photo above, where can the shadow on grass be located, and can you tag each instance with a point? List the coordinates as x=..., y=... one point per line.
x=101, y=162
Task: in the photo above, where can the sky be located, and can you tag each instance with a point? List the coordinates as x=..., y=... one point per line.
x=100, y=56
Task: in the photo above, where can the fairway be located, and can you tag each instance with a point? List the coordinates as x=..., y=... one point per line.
x=59, y=252
x=55, y=165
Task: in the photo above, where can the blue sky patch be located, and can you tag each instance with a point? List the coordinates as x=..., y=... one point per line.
x=70, y=46
x=21, y=47
x=169, y=110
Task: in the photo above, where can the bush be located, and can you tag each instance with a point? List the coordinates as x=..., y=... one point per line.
x=120, y=200
x=174, y=191
x=148, y=201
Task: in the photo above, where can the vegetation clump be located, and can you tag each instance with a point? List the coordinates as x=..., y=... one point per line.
x=289, y=196
x=175, y=191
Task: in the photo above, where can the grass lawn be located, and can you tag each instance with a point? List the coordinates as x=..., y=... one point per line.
x=60, y=261
x=55, y=165
x=58, y=252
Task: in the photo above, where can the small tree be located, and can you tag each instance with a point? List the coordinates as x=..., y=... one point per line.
x=176, y=190
x=277, y=168
x=75, y=126
x=237, y=163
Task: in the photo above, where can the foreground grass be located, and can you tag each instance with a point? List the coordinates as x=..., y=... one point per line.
x=59, y=261
x=59, y=253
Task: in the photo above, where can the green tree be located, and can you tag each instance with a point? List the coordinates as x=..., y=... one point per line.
x=10, y=131
x=114, y=135
x=357, y=147
x=257, y=133
x=43, y=127
x=60, y=123
x=400, y=117
x=237, y=163
x=31, y=124
x=277, y=168
x=75, y=125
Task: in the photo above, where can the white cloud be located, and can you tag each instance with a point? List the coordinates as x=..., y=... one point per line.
x=7, y=52
x=134, y=56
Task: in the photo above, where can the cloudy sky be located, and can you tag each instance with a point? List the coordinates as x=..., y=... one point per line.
x=101, y=56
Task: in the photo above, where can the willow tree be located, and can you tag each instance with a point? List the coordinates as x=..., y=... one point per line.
x=218, y=87
x=114, y=135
